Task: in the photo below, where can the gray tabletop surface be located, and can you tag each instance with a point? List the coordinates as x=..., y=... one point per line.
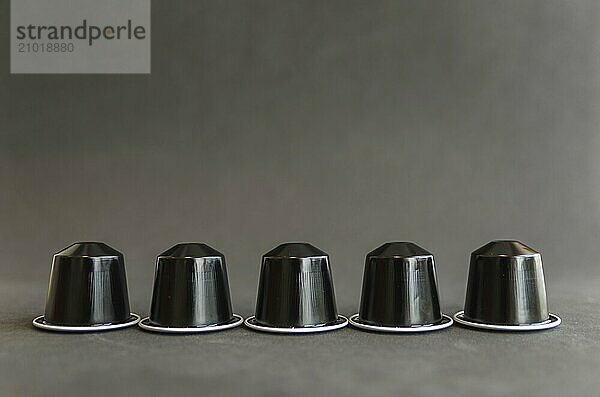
x=458, y=361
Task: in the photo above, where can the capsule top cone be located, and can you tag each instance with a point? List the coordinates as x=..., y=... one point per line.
x=506, y=248
x=398, y=249
x=88, y=249
x=191, y=250
x=295, y=250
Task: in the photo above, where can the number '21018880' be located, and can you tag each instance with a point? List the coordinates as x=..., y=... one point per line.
x=46, y=47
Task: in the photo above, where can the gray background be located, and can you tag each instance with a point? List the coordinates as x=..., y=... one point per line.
x=346, y=124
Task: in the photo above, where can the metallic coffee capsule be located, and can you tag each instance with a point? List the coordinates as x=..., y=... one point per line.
x=191, y=292
x=295, y=292
x=399, y=292
x=87, y=290
x=506, y=289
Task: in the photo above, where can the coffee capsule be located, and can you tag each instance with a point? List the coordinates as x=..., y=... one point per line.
x=191, y=292
x=506, y=289
x=295, y=292
x=399, y=291
x=87, y=291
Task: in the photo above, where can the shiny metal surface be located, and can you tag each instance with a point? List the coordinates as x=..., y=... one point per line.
x=191, y=288
x=39, y=322
x=446, y=322
x=399, y=287
x=295, y=288
x=506, y=285
x=146, y=325
x=552, y=322
x=87, y=286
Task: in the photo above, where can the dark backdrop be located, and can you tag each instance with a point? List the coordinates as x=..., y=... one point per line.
x=341, y=123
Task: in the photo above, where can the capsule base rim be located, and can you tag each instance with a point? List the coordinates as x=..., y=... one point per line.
x=39, y=322
x=251, y=323
x=442, y=324
x=553, y=322
x=147, y=326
